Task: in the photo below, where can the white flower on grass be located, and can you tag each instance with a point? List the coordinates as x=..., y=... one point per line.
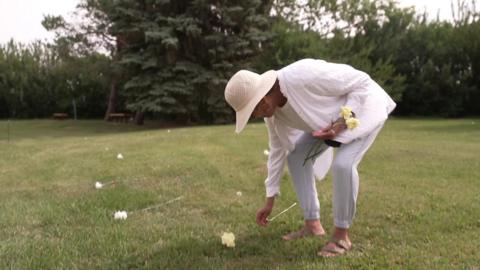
x=98, y=185
x=239, y=193
x=228, y=239
x=106, y=149
x=119, y=156
x=266, y=152
x=120, y=215
x=169, y=131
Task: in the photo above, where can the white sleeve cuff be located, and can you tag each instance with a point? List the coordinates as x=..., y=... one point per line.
x=272, y=191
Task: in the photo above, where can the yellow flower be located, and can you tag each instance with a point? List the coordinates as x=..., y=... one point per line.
x=352, y=123
x=228, y=239
x=345, y=112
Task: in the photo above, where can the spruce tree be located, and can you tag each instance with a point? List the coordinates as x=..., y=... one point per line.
x=179, y=54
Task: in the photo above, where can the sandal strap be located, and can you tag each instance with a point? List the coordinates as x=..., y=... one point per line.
x=339, y=247
x=336, y=249
x=304, y=232
x=296, y=235
x=342, y=244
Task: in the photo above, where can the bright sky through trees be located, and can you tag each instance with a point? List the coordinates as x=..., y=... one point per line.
x=21, y=19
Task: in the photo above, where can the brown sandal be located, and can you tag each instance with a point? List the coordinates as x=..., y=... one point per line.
x=301, y=234
x=340, y=247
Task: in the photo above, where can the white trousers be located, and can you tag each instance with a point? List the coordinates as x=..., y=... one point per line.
x=344, y=172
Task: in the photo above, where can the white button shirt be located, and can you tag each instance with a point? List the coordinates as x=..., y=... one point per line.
x=315, y=90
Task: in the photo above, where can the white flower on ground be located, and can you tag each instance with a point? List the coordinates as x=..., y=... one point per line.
x=239, y=193
x=120, y=215
x=169, y=131
x=98, y=185
x=266, y=152
x=119, y=156
x=228, y=239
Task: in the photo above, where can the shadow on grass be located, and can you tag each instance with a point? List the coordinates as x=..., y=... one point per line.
x=252, y=252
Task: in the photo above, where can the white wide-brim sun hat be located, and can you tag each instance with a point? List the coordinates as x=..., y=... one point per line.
x=245, y=90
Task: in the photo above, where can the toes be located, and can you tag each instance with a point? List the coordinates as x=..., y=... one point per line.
x=294, y=235
x=325, y=254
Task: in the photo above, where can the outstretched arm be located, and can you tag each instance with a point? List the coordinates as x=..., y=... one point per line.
x=276, y=161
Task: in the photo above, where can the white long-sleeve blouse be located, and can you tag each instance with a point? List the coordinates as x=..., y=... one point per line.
x=315, y=90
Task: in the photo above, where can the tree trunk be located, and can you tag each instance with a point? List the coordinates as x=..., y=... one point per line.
x=112, y=100
x=139, y=118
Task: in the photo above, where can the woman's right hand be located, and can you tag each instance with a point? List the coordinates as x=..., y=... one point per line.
x=263, y=213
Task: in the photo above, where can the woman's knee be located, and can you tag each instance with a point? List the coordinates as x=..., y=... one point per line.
x=296, y=156
x=341, y=166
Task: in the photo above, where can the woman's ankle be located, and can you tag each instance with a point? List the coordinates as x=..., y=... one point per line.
x=341, y=234
x=314, y=226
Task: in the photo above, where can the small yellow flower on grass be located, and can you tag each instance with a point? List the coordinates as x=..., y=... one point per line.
x=228, y=239
x=345, y=112
x=352, y=123
x=119, y=156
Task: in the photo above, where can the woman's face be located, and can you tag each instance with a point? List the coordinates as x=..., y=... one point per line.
x=264, y=108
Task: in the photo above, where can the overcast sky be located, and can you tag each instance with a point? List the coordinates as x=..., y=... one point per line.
x=21, y=19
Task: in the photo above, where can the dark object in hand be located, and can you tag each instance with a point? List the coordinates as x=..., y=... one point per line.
x=333, y=143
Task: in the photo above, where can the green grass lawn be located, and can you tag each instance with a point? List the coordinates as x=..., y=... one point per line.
x=418, y=207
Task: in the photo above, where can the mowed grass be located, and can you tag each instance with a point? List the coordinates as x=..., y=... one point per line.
x=418, y=207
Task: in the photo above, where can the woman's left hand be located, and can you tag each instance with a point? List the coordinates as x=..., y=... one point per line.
x=325, y=134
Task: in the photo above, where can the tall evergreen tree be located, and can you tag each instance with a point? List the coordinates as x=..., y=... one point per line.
x=178, y=54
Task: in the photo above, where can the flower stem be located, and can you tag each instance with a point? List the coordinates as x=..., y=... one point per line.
x=161, y=204
x=281, y=213
x=317, y=149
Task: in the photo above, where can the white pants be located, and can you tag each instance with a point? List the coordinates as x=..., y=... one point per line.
x=345, y=177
